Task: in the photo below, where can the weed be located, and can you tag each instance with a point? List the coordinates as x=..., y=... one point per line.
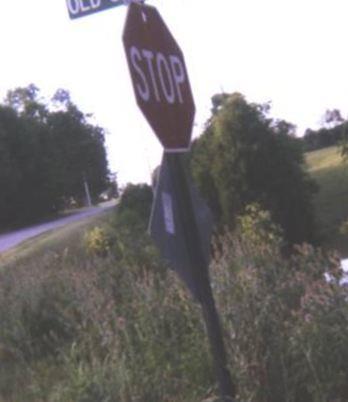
x=77, y=327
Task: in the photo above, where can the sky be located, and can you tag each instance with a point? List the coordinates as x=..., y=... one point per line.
x=289, y=52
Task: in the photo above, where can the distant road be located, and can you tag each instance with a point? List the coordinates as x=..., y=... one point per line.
x=12, y=239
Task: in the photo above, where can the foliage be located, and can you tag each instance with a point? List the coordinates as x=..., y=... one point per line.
x=256, y=225
x=243, y=157
x=323, y=138
x=46, y=152
x=344, y=141
x=331, y=133
x=286, y=320
x=138, y=199
x=98, y=329
x=329, y=170
x=125, y=234
x=128, y=228
x=82, y=328
x=97, y=241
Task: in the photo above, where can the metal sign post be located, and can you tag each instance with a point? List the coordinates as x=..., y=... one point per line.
x=180, y=222
x=163, y=94
x=200, y=274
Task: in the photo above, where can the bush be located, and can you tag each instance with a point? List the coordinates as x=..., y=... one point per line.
x=97, y=241
x=286, y=324
x=136, y=200
x=127, y=230
x=245, y=157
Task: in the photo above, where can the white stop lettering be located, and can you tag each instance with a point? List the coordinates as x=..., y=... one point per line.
x=157, y=77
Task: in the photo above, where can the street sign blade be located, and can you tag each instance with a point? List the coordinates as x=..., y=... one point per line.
x=81, y=8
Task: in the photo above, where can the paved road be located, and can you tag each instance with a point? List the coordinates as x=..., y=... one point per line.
x=12, y=239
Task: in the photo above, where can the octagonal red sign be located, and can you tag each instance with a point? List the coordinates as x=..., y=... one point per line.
x=159, y=77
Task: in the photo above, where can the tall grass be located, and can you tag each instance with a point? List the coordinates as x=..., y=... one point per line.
x=76, y=327
x=80, y=327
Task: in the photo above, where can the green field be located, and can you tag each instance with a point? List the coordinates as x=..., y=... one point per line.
x=330, y=171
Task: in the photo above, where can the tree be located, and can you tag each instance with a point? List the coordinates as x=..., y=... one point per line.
x=10, y=174
x=46, y=153
x=244, y=157
x=78, y=153
x=332, y=118
x=27, y=102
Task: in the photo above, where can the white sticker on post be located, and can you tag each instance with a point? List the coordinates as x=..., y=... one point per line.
x=168, y=213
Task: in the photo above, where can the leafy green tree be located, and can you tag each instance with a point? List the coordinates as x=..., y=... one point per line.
x=136, y=200
x=78, y=153
x=333, y=118
x=47, y=151
x=27, y=102
x=10, y=174
x=244, y=157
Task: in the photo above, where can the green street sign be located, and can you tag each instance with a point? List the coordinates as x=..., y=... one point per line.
x=80, y=8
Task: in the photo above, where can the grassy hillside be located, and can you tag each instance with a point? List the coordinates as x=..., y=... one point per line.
x=331, y=173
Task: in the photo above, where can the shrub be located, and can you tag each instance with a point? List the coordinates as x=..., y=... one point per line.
x=97, y=241
x=286, y=324
x=136, y=200
x=127, y=229
x=243, y=157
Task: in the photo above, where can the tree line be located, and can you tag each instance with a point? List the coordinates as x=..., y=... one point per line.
x=48, y=151
x=332, y=132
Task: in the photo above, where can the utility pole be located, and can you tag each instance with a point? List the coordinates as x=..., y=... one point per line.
x=87, y=192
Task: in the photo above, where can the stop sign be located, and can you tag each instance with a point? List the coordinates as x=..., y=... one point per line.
x=159, y=77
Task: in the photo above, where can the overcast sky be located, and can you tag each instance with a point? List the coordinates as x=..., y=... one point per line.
x=290, y=52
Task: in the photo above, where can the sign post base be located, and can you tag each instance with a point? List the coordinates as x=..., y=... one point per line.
x=183, y=227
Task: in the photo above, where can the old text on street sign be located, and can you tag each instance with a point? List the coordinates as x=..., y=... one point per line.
x=81, y=8
x=159, y=76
